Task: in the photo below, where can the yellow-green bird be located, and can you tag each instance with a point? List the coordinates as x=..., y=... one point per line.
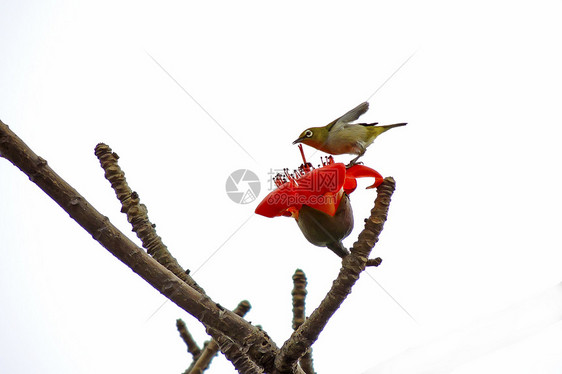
x=340, y=136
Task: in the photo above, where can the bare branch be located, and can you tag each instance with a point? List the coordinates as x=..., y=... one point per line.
x=299, y=298
x=192, y=346
x=235, y=354
x=137, y=215
x=352, y=266
x=204, y=360
x=259, y=346
x=212, y=347
x=374, y=262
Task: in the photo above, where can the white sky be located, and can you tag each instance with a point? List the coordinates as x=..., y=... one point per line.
x=473, y=226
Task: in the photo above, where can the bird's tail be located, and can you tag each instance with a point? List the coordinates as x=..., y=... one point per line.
x=387, y=127
x=384, y=127
x=377, y=130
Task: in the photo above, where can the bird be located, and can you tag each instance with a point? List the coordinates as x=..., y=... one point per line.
x=342, y=137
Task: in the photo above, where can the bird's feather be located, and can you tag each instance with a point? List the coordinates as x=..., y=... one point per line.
x=355, y=113
x=366, y=124
x=350, y=116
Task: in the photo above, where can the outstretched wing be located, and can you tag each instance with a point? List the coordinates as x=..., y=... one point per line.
x=350, y=116
x=355, y=113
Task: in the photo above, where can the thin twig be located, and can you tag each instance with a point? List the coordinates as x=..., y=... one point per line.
x=374, y=262
x=202, y=363
x=352, y=266
x=192, y=346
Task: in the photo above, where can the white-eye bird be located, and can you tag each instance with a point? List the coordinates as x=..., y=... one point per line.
x=340, y=136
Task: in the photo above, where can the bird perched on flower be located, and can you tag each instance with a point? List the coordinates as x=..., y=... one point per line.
x=318, y=199
x=340, y=136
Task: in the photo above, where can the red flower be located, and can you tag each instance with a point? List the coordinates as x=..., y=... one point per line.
x=320, y=189
x=359, y=171
x=318, y=200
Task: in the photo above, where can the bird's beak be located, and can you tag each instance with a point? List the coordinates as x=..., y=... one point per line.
x=298, y=140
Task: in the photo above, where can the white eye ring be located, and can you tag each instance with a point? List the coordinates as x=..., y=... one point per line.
x=308, y=133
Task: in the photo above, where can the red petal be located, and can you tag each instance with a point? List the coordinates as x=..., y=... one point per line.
x=360, y=171
x=318, y=189
x=350, y=184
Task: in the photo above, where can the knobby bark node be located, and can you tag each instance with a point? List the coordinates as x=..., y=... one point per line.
x=299, y=304
x=299, y=295
x=374, y=262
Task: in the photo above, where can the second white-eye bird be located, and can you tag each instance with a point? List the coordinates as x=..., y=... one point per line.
x=340, y=136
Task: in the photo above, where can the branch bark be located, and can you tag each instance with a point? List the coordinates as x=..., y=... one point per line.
x=186, y=336
x=235, y=354
x=137, y=215
x=299, y=300
x=212, y=347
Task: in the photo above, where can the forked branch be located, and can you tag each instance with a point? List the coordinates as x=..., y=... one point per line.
x=247, y=346
x=259, y=347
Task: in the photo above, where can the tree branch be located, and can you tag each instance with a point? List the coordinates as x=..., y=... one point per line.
x=212, y=347
x=192, y=346
x=299, y=297
x=235, y=354
x=137, y=215
x=352, y=266
x=374, y=262
x=259, y=346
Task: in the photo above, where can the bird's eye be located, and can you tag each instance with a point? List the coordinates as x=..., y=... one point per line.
x=308, y=133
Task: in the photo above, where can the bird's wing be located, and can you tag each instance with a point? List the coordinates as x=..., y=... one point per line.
x=355, y=113
x=350, y=116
